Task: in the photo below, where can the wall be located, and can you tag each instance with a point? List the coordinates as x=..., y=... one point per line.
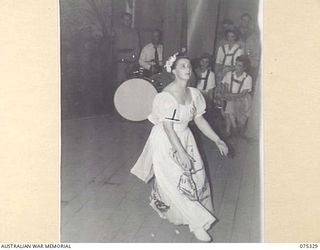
x=174, y=27
x=233, y=9
x=202, y=21
x=86, y=85
x=149, y=16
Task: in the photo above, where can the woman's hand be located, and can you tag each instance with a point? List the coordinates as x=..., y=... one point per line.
x=226, y=97
x=186, y=161
x=223, y=148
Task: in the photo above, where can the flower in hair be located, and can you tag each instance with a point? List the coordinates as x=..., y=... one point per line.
x=170, y=61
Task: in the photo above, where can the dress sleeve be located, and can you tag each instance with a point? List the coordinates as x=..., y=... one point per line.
x=200, y=103
x=164, y=108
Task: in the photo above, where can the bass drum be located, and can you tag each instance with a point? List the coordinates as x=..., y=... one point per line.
x=133, y=99
x=161, y=80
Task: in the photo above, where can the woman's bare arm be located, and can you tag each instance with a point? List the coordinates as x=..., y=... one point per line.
x=206, y=129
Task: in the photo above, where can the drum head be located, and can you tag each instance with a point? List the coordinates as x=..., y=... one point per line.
x=133, y=99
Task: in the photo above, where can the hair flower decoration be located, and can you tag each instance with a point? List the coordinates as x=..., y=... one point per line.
x=170, y=61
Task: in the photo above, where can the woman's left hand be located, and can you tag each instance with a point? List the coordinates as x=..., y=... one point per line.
x=223, y=148
x=227, y=97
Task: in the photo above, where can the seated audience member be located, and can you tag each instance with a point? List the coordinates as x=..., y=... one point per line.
x=205, y=78
x=227, y=54
x=238, y=96
x=250, y=42
x=151, y=55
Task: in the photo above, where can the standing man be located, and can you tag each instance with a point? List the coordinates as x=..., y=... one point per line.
x=227, y=24
x=126, y=48
x=250, y=42
x=227, y=54
x=152, y=54
x=238, y=84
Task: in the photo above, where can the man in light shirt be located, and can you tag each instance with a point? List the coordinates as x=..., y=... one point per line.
x=151, y=55
x=205, y=78
x=227, y=54
x=238, y=98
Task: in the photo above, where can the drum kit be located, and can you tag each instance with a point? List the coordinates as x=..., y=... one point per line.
x=133, y=98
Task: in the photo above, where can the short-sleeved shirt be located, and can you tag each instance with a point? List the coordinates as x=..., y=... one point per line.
x=211, y=83
x=148, y=54
x=237, y=82
x=227, y=56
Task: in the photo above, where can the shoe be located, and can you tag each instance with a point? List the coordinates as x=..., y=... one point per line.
x=202, y=235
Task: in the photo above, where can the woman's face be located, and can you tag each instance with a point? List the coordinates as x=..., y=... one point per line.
x=183, y=69
x=231, y=37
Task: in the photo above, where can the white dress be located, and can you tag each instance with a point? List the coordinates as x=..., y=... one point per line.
x=176, y=196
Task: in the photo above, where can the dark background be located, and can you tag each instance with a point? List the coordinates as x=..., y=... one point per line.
x=86, y=47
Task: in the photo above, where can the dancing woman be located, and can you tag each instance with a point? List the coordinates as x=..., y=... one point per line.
x=181, y=192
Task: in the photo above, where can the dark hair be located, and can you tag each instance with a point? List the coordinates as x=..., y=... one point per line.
x=246, y=15
x=234, y=31
x=245, y=60
x=207, y=56
x=227, y=21
x=179, y=57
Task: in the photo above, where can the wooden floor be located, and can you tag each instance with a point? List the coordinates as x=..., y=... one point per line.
x=103, y=202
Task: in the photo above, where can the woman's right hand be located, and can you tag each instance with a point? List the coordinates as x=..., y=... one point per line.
x=186, y=161
x=222, y=146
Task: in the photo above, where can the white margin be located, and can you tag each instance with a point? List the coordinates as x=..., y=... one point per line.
x=59, y=119
x=261, y=130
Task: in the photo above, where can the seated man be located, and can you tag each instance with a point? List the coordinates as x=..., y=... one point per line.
x=238, y=85
x=151, y=55
x=205, y=78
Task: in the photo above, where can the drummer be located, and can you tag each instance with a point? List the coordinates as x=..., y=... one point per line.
x=151, y=54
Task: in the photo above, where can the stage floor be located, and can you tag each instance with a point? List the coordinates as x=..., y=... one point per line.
x=102, y=202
